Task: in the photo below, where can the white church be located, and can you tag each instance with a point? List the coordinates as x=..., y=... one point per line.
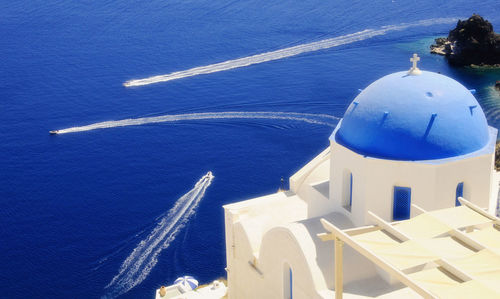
x=401, y=204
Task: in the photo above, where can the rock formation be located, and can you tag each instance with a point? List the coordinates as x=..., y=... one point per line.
x=472, y=42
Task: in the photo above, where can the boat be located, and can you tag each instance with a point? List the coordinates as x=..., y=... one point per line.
x=215, y=290
x=54, y=132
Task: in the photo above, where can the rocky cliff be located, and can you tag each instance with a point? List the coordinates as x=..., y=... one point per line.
x=472, y=42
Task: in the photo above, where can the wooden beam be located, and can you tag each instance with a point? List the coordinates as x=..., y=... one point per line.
x=478, y=210
x=466, y=239
x=453, y=270
x=388, y=227
x=418, y=209
x=480, y=226
x=419, y=267
x=326, y=237
x=361, y=230
x=339, y=273
x=376, y=259
x=350, y=231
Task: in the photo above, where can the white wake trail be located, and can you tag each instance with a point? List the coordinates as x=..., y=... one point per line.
x=286, y=52
x=144, y=257
x=319, y=119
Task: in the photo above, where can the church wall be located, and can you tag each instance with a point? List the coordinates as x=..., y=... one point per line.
x=228, y=231
x=290, y=246
x=298, y=178
x=388, y=174
x=261, y=235
x=313, y=267
x=494, y=190
x=356, y=266
x=433, y=186
x=317, y=203
x=245, y=224
x=244, y=281
x=242, y=278
x=476, y=174
x=293, y=244
x=340, y=161
x=311, y=183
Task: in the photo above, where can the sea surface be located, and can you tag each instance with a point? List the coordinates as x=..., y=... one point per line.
x=118, y=209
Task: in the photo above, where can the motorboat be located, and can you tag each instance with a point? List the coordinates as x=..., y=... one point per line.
x=214, y=290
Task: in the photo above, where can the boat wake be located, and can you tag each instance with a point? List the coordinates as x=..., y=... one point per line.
x=319, y=119
x=286, y=52
x=144, y=257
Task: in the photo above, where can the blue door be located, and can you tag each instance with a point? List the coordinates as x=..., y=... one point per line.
x=402, y=203
x=459, y=193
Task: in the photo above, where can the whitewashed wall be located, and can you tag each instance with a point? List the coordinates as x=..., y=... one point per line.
x=433, y=186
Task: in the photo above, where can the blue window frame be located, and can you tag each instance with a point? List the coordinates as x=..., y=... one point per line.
x=347, y=188
x=402, y=203
x=287, y=282
x=459, y=193
x=350, y=192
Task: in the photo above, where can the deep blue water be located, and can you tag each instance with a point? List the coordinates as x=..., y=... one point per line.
x=73, y=206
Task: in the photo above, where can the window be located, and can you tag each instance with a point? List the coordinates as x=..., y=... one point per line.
x=350, y=191
x=459, y=193
x=402, y=203
x=347, y=194
x=287, y=282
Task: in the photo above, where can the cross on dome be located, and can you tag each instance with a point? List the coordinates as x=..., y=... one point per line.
x=414, y=69
x=415, y=59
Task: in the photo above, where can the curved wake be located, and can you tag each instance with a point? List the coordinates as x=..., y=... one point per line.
x=319, y=119
x=144, y=257
x=286, y=52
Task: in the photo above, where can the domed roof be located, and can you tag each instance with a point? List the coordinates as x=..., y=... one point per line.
x=414, y=117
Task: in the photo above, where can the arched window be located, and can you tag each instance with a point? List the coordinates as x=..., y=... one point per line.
x=287, y=282
x=402, y=203
x=459, y=193
x=347, y=192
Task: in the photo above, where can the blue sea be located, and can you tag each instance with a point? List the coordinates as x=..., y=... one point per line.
x=116, y=211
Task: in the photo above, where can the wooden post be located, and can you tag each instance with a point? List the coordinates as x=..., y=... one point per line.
x=340, y=237
x=339, y=244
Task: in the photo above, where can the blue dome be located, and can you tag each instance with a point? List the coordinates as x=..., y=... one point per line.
x=419, y=117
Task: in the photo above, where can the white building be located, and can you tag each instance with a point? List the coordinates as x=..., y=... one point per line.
x=410, y=142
